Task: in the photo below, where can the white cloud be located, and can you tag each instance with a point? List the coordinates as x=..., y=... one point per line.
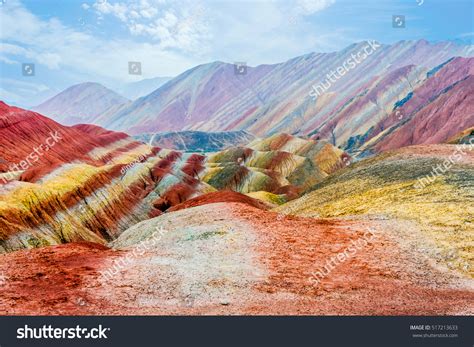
x=179, y=31
x=312, y=6
x=11, y=97
x=119, y=10
x=22, y=93
x=26, y=85
x=56, y=46
x=148, y=13
x=167, y=37
x=174, y=24
x=50, y=60
x=8, y=60
x=7, y=48
x=134, y=14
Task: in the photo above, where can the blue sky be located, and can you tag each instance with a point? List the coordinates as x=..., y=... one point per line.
x=75, y=41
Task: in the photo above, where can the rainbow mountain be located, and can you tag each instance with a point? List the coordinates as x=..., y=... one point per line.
x=371, y=106
x=91, y=184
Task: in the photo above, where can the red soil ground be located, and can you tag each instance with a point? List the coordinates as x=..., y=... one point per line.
x=49, y=280
x=382, y=278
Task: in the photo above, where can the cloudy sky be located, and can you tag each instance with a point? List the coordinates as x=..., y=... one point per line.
x=74, y=41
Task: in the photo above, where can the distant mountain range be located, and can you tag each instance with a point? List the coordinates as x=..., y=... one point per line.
x=371, y=106
x=141, y=88
x=197, y=141
x=87, y=102
x=81, y=103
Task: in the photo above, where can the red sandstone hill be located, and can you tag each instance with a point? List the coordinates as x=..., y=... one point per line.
x=22, y=131
x=88, y=185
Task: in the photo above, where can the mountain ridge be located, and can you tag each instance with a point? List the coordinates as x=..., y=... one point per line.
x=275, y=98
x=80, y=103
x=272, y=98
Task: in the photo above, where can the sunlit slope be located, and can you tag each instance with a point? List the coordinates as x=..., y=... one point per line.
x=397, y=186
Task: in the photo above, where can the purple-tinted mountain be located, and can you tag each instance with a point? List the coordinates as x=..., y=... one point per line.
x=141, y=88
x=370, y=106
x=275, y=98
x=81, y=103
x=437, y=110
